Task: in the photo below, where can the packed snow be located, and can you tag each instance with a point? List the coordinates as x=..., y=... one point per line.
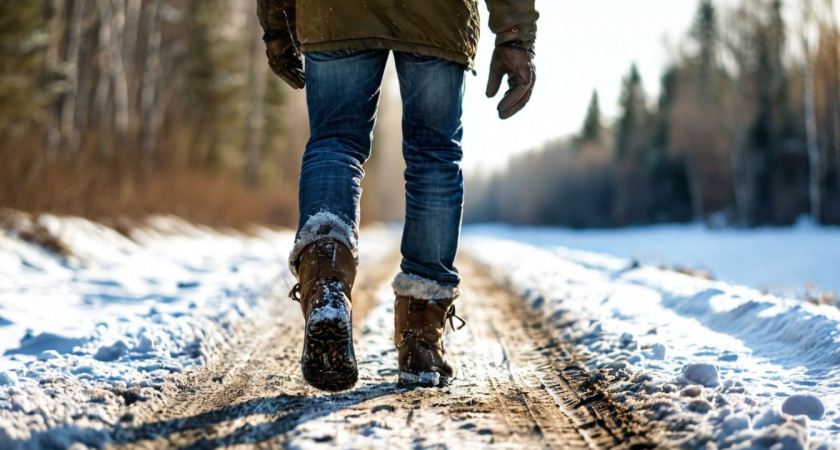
x=799, y=261
x=716, y=363
x=145, y=300
x=87, y=313
x=108, y=312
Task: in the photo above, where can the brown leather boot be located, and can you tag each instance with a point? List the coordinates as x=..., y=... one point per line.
x=419, y=326
x=326, y=271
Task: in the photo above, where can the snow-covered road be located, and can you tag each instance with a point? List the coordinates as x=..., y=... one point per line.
x=660, y=332
x=105, y=320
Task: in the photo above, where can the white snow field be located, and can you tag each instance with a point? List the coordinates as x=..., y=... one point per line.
x=115, y=312
x=156, y=298
x=720, y=365
x=781, y=261
x=118, y=313
x=716, y=362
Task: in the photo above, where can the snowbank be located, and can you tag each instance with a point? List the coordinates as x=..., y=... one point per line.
x=101, y=312
x=781, y=261
x=716, y=363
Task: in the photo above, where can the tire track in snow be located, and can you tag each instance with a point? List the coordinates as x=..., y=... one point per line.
x=511, y=390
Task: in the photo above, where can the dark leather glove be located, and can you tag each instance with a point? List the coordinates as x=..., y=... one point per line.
x=517, y=62
x=285, y=59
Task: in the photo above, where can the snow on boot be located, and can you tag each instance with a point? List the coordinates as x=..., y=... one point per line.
x=419, y=326
x=326, y=271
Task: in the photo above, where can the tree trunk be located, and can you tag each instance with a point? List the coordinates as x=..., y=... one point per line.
x=814, y=166
x=741, y=179
x=87, y=82
x=256, y=119
x=103, y=84
x=72, y=69
x=118, y=76
x=52, y=67
x=149, y=86
x=132, y=32
x=836, y=54
x=695, y=185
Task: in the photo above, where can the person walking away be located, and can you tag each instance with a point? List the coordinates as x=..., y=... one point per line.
x=346, y=45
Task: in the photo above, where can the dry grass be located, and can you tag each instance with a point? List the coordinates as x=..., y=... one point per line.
x=117, y=191
x=28, y=229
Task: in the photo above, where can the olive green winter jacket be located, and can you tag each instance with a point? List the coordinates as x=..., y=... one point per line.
x=446, y=29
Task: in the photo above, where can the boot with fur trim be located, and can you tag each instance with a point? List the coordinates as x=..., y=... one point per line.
x=419, y=327
x=326, y=271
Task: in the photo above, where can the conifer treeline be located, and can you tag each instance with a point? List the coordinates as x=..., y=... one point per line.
x=137, y=106
x=746, y=129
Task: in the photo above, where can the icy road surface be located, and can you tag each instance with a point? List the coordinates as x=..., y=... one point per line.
x=180, y=335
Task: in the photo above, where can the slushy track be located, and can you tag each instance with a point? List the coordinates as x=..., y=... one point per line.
x=516, y=388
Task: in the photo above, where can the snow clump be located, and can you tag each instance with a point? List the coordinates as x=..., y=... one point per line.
x=124, y=313
x=703, y=374
x=732, y=353
x=804, y=404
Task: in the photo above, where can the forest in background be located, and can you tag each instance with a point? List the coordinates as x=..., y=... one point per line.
x=131, y=107
x=746, y=132
x=112, y=108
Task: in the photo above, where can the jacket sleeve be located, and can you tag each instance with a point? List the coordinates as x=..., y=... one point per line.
x=513, y=20
x=276, y=15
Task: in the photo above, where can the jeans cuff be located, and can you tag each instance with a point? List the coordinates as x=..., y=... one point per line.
x=320, y=226
x=414, y=286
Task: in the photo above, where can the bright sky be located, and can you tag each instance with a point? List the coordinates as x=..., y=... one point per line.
x=581, y=46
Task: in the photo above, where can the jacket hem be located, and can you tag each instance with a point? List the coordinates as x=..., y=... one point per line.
x=389, y=44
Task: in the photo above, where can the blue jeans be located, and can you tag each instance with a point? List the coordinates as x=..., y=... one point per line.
x=342, y=93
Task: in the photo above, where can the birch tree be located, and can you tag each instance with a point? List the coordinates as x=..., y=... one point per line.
x=256, y=118
x=151, y=76
x=809, y=104
x=72, y=73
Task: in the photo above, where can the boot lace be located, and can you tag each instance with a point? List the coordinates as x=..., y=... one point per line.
x=451, y=315
x=294, y=294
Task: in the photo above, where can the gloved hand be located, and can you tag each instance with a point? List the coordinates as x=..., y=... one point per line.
x=285, y=59
x=517, y=62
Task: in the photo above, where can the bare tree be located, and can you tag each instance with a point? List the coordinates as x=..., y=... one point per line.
x=52, y=63
x=151, y=78
x=72, y=73
x=256, y=119
x=814, y=167
x=103, y=84
x=133, y=11
x=118, y=75
x=830, y=28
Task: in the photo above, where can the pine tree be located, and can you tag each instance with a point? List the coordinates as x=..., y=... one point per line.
x=667, y=181
x=632, y=141
x=705, y=32
x=22, y=41
x=772, y=124
x=592, y=127
x=633, y=117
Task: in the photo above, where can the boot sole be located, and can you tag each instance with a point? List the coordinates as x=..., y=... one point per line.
x=329, y=362
x=410, y=380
